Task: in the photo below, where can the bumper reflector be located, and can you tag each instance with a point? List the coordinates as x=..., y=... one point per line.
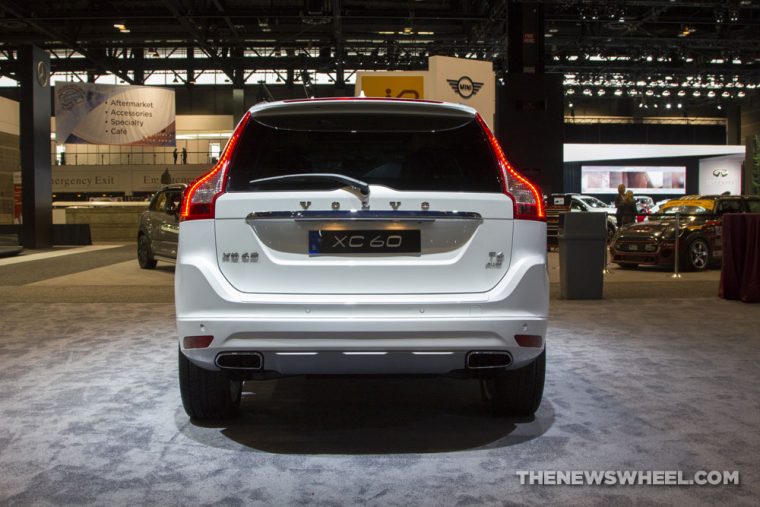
x=197, y=342
x=528, y=340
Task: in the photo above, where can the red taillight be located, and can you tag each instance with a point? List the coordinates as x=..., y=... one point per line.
x=199, y=198
x=528, y=203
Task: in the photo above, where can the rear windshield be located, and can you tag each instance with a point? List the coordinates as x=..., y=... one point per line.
x=594, y=202
x=404, y=152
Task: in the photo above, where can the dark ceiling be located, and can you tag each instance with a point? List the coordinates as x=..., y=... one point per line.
x=616, y=46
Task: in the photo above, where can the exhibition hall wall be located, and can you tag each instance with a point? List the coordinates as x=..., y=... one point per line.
x=10, y=160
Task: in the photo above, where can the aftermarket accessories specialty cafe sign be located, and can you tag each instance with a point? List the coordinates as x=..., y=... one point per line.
x=89, y=113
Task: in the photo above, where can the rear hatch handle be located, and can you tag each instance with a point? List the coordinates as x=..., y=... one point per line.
x=360, y=186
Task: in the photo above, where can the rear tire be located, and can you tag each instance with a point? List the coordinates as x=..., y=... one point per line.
x=145, y=253
x=207, y=395
x=517, y=393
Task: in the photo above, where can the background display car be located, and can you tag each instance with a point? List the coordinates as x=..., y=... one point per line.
x=699, y=232
x=159, y=227
x=562, y=203
x=361, y=236
x=656, y=208
x=644, y=205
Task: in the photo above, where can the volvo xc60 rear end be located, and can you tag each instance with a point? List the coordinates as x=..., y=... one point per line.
x=361, y=236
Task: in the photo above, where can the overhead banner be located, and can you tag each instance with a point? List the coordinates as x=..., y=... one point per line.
x=89, y=113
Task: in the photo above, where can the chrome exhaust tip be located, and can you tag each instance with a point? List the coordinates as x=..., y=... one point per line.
x=236, y=361
x=487, y=359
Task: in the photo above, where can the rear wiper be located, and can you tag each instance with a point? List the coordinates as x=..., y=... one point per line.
x=361, y=186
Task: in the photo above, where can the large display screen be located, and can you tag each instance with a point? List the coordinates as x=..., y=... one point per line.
x=604, y=179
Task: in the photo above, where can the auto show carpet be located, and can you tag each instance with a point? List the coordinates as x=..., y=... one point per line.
x=659, y=375
x=90, y=414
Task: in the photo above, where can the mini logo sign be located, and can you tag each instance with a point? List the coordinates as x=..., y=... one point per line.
x=464, y=86
x=720, y=173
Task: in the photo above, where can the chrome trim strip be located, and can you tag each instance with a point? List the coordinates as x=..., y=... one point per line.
x=364, y=215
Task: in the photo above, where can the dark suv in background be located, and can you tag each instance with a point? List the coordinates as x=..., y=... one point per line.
x=158, y=232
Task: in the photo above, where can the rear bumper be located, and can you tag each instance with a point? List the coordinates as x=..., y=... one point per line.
x=362, y=334
x=354, y=345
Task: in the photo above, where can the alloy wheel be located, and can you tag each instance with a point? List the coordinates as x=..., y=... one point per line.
x=698, y=254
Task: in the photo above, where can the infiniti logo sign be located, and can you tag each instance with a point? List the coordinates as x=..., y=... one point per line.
x=720, y=173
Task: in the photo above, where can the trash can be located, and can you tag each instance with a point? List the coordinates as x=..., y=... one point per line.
x=582, y=242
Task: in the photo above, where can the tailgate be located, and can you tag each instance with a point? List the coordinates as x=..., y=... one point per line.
x=323, y=242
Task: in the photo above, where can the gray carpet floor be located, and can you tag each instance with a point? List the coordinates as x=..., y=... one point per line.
x=90, y=414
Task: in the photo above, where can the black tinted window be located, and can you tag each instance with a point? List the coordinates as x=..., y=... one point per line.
x=730, y=206
x=399, y=151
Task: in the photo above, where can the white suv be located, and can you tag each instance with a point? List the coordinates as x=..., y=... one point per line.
x=361, y=236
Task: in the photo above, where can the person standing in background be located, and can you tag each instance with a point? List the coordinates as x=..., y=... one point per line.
x=627, y=210
x=175, y=155
x=184, y=155
x=619, y=198
x=166, y=178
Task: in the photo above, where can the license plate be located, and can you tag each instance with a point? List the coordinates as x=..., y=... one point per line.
x=364, y=242
x=633, y=248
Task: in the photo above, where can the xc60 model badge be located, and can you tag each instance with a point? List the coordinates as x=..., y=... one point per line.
x=237, y=257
